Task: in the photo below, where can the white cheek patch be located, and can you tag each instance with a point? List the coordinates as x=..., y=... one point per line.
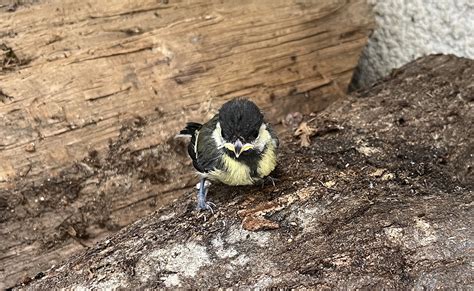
x=217, y=136
x=262, y=139
x=229, y=146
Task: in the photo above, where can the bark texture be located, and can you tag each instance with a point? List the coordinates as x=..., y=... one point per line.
x=381, y=198
x=72, y=71
x=92, y=92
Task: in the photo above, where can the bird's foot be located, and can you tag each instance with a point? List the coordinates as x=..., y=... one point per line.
x=206, y=206
x=203, y=187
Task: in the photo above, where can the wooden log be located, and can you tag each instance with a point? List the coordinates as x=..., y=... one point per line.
x=92, y=92
x=382, y=197
x=84, y=67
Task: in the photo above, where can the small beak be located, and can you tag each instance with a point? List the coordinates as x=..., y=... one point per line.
x=238, y=148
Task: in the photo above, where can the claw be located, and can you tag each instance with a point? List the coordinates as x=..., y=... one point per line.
x=209, y=203
x=202, y=193
x=272, y=180
x=207, y=206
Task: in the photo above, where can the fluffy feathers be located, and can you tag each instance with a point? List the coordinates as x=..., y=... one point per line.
x=235, y=147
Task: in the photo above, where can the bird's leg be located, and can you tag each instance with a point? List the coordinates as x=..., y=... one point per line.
x=202, y=193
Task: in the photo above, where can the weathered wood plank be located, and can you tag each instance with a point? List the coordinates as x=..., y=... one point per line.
x=92, y=65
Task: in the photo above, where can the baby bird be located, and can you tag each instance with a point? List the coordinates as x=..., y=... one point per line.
x=235, y=147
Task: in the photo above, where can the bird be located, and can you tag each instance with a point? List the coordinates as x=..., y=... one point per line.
x=235, y=147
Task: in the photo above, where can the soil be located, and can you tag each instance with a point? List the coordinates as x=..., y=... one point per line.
x=381, y=198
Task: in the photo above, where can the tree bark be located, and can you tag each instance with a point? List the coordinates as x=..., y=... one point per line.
x=381, y=198
x=92, y=93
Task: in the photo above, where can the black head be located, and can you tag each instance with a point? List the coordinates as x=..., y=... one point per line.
x=240, y=119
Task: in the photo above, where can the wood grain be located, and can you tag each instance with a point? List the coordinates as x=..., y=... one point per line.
x=73, y=74
x=87, y=66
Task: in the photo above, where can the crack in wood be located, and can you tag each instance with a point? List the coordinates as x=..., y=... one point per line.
x=108, y=95
x=114, y=55
x=240, y=89
x=188, y=74
x=288, y=34
x=131, y=12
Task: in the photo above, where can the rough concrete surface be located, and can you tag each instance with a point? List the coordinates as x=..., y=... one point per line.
x=407, y=29
x=382, y=197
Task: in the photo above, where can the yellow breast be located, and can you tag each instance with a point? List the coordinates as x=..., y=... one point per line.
x=268, y=162
x=233, y=173
x=236, y=173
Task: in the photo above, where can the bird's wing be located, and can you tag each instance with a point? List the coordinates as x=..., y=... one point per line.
x=207, y=152
x=192, y=130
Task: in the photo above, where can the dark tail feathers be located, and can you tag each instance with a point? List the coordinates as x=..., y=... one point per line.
x=190, y=128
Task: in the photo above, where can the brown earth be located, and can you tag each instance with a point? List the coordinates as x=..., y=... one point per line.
x=381, y=198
